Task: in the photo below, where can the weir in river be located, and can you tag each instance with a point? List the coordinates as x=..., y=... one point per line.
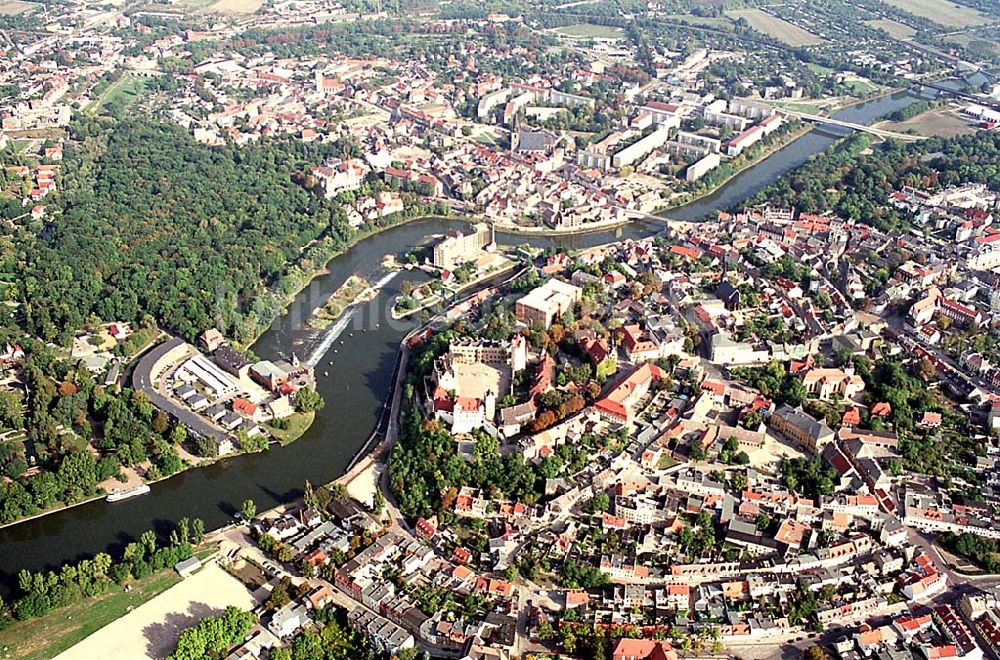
x=330, y=335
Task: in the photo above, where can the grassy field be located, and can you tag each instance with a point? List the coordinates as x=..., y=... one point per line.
x=859, y=87
x=298, y=423
x=126, y=90
x=666, y=461
x=990, y=47
x=819, y=69
x=895, y=29
x=780, y=29
x=50, y=635
x=590, y=31
x=942, y=12
x=15, y=7
x=715, y=22
x=932, y=123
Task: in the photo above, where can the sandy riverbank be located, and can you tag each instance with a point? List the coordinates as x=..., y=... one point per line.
x=151, y=630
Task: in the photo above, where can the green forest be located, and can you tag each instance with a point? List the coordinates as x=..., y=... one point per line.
x=154, y=222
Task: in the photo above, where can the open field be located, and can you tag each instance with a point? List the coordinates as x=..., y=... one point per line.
x=780, y=29
x=859, y=87
x=715, y=22
x=942, y=12
x=895, y=29
x=819, y=69
x=981, y=44
x=15, y=7
x=236, y=6
x=50, y=635
x=151, y=631
x=938, y=122
x=126, y=90
x=589, y=31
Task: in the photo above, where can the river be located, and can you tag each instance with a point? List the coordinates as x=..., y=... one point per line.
x=353, y=377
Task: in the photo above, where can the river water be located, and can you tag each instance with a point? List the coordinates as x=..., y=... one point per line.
x=353, y=377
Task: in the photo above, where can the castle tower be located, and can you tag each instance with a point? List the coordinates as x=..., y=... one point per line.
x=490, y=405
x=491, y=243
x=518, y=353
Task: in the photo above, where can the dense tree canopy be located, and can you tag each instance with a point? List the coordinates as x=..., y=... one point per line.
x=155, y=222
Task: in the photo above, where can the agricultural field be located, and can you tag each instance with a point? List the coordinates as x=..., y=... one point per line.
x=943, y=12
x=895, y=29
x=780, y=29
x=15, y=7
x=589, y=31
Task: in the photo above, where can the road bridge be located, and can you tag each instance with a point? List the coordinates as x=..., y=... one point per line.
x=830, y=121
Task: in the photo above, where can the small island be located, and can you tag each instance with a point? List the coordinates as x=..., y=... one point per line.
x=355, y=289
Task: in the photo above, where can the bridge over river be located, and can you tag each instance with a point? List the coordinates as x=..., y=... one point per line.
x=819, y=119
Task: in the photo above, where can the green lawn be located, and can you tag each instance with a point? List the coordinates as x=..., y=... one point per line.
x=20, y=145
x=819, y=69
x=50, y=635
x=298, y=423
x=859, y=87
x=590, y=31
x=126, y=90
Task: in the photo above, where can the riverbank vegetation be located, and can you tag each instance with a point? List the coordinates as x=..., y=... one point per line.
x=289, y=429
x=81, y=434
x=54, y=610
x=341, y=299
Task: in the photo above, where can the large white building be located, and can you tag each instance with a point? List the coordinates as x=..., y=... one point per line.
x=704, y=165
x=457, y=247
x=215, y=381
x=646, y=145
x=543, y=304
